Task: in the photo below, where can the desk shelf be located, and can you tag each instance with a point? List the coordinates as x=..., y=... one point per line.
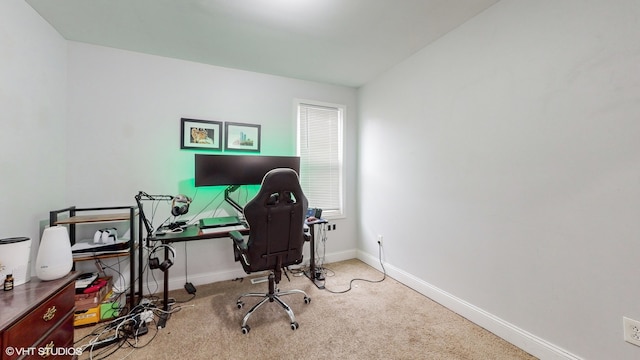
x=78, y=216
x=102, y=256
x=93, y=218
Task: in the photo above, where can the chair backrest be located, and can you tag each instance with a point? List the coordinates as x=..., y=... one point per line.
x=276, y=221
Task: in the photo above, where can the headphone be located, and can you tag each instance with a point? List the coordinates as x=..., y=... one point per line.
x=180, y=210
x=105, y=236
x=154, y=262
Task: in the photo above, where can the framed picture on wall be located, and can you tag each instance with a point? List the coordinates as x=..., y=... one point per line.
x=200, y=134
x=242, y=137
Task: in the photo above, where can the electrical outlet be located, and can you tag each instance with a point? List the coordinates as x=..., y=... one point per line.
x=631, y=331
x=379, y=239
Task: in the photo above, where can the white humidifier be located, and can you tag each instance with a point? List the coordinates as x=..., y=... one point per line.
x=54, y=254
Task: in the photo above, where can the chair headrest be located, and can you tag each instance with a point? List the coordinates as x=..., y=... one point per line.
x=280, y=179
x=278, y=185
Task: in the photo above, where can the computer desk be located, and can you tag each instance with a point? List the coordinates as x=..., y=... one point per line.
x=193, y=232
x=188, y=233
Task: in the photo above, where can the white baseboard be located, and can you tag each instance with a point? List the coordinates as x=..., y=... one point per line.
x=524, y=340
x=338, y=256
x=155, y=285
x=211, y=277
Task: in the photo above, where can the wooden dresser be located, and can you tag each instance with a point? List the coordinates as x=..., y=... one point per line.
x=35, y=316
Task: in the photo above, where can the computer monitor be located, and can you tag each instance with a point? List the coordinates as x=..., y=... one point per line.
x=216, y=170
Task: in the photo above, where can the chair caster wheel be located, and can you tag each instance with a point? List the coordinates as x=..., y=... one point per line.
x=307, y=299
x=239, y=304
x=245, y=329
x=294, y=325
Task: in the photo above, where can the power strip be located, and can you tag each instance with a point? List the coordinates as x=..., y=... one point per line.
x=259, y=280
x=102, y=343
x=146, y=316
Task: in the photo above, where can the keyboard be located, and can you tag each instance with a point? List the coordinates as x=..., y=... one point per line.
x=224, y=229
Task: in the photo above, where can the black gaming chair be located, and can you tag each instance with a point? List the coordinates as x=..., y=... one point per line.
x=276, y=237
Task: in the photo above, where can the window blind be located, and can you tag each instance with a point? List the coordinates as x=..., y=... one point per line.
x=320, y=150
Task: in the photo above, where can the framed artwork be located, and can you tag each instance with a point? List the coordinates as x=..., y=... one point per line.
x=200, y=134
x=242, y=137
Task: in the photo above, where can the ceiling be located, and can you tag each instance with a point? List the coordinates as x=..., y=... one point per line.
x=345, y=42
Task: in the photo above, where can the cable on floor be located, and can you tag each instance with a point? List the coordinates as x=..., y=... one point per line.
x=384, y=276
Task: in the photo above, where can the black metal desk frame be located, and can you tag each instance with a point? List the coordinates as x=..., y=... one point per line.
x=189, y=233
x=311, y=273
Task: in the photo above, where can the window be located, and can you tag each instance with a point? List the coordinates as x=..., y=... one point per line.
x=320, y=147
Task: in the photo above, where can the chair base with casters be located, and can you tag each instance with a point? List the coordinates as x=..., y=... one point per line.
x=274, y=295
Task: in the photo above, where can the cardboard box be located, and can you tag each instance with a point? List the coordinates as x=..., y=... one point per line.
x=86, y=317
x=91, y=300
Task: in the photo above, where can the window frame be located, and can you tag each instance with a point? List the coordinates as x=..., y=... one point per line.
x=342, y=109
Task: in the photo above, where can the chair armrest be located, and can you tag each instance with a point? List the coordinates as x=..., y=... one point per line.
x=239, y=247
x=238, y=239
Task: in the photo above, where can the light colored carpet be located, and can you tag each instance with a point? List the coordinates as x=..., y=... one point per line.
x=384, y=320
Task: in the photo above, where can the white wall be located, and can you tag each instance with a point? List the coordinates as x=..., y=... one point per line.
x=91, y=126
x=125, y=110
x=33, y=102
x=509, y=150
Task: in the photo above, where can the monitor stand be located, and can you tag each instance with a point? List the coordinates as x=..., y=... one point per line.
x=228, y=199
